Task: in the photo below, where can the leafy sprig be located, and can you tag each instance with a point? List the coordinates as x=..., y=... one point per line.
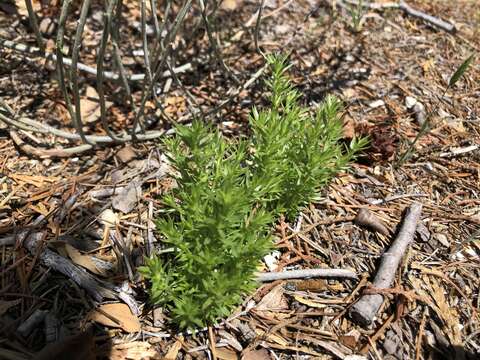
x=230, y=192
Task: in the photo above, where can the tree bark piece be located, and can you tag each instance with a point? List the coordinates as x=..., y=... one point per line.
x=367, y=307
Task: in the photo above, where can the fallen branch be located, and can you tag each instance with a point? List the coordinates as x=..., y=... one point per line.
x=307, y=273
x=367, y=307
x=85, y=68
x=407, y=9
x=427, y=18
x=46, y=153
x=67, y=268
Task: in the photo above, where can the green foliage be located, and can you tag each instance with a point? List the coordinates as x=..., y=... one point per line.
x=230, y=192
x=213, y=224
x=356, y=12
x=460, y=71
x=295, y=153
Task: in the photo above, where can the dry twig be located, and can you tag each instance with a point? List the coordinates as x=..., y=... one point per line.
x=306, y=273
x=367, y=307
x=407, y=9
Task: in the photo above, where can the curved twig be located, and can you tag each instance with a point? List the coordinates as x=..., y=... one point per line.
x=167, y=48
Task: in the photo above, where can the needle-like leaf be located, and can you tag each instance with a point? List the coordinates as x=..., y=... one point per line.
x=460, y=71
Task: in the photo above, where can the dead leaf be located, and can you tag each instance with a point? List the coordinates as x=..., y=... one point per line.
x=118, y=315
x=22, y=7
x=230, y=5
x=85, y=261
x=427, y=65
x=126, y=199
x=318, y=285
x=126, y=154
x=261, y=354
x=271, y=303
x=226, y=354
x=175, y=105
x=108, y=218
x=309, y=303
x=6, y=305
x=274, y=300
x=272, y=337
x=77, y=347
x=90, y=106
x=348, y=127
x=173, y=350
x=133, y=351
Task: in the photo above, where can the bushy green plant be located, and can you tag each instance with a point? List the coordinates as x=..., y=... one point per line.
x=295, y=152
x=229, y=193
x=214, y=226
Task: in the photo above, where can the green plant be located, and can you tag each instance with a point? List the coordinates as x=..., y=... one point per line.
x=296, y=153
x=230, y=192
x=356, y=12
x=218, y=233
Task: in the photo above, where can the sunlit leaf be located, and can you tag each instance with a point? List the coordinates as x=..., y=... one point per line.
x=460, y=71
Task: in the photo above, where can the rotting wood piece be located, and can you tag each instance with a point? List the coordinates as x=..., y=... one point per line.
x=364, y=311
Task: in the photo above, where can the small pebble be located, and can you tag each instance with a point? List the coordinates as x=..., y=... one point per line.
x=410, y=102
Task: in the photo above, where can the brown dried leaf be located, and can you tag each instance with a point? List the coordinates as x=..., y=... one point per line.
x=318, y=285
x=348, y=127
x=271, y=337
x=261, y=354
x=230, y=5
x=119, y=312
x=173, y=351
x=126, y=199
x=90, y=107
x=175, y=105
x=85, y=261
x=274, y=300
x=271, y=303
x=448, y=312
x=22, y=7
x=307, y=302
x=126, y=154
x=133, y=351
x=226, y=354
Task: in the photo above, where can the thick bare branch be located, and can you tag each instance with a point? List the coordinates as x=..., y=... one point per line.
x=367, y=307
